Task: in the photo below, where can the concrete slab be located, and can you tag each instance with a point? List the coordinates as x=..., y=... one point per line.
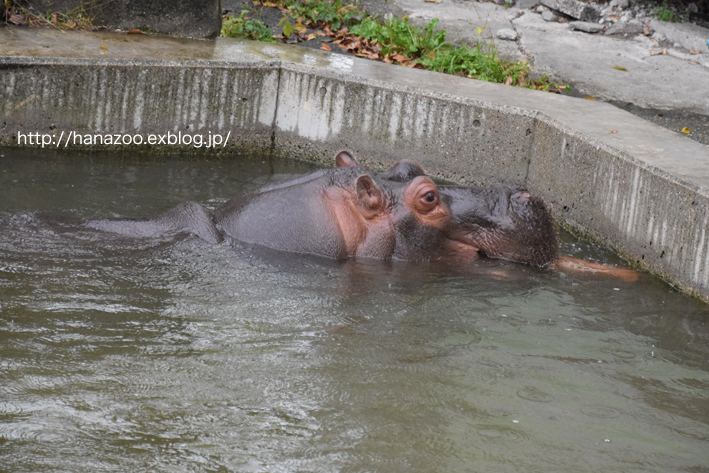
x=588, y=61
x=585, y=61
x=636, y=186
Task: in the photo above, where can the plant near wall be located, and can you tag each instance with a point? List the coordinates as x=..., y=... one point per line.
x=398, y=36
x=395, y=41
x=663, y=13
x=325, y=12
x=243, y=27
x=77, y=18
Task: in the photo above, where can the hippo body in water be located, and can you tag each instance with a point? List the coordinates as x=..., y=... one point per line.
x=349, y=212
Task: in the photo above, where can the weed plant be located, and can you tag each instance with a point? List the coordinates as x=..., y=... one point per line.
x=246, y=28
x=663, y=13
x=398, y=38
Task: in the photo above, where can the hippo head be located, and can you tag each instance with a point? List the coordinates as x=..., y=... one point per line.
x=504, y=222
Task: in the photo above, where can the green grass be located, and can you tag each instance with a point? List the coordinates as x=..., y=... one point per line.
x=663, y=13
x=331, y=12
x=397, y=36
x=426, y=48
x=245, y=28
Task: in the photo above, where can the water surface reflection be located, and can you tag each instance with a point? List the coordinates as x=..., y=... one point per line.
x=120, y=354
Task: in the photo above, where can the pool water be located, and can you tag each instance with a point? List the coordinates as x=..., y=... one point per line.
x=121, y=354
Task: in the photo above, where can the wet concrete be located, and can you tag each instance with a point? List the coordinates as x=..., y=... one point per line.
x=631, y=184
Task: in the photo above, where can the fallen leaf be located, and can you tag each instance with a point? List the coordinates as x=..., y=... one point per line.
x=614, y=17
x=647, y=31
x=17, y=19
x=620, y=68
x=590, y=98
x=104, y=47
x=686, y=130
x=298, y=27
x=693, y=51
x=660, y=115
x=655, y=52
x=312, y=36
x=287, y=29
x=325, y=47
x=400, y=58
x=613, y=132
x=320, y=33
x=432, y=1
x=135, y=31
x=70, y=24
x=479, y=30
x=694, y=63
x=54, y=18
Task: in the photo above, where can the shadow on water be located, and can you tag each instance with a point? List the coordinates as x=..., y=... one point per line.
x=119, y=353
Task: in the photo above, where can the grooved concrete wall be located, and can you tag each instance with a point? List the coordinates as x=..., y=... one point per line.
x=471, y=134
x=113, y=97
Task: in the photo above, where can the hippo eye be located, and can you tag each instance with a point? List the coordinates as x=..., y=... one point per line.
x=430, y=197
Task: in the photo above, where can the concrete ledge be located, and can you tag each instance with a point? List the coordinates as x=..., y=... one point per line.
x=633, y=185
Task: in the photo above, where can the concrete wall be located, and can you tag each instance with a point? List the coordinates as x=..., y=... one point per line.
x=307, y=108
x=190, y=18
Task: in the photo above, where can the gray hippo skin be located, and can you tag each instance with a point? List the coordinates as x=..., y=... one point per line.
x=350, y=212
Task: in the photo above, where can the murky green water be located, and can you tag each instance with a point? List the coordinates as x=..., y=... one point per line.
x=144, y=355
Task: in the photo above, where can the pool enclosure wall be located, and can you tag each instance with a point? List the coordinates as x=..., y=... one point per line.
x=628, y=183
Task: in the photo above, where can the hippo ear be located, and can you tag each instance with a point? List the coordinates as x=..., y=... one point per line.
x=344, y=159
x=368, y=193
x=404, y=171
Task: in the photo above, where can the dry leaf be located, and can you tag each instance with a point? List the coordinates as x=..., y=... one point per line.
x=325, y=47
x=312, y=36
x=17, y=19
x=694, y=63
x=105, y=48
x=590, y=98
x=320, y=33
x=647, y=31
x=432, y=1
x=693, y=51
x=613, y=132
x=620, y=68
x=655, y=52
x=54, y=18
x=660, y=115
x=70, y=24
x=135, y=31
x=686, y=130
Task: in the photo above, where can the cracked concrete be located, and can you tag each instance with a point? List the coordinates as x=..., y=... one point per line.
x=586, y=61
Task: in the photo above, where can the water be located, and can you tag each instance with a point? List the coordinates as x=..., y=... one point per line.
x=145, y=355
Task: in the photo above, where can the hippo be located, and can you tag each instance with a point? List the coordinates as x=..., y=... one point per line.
x=350, y=212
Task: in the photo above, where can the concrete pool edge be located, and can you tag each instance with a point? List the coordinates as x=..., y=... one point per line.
x=641, y=189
